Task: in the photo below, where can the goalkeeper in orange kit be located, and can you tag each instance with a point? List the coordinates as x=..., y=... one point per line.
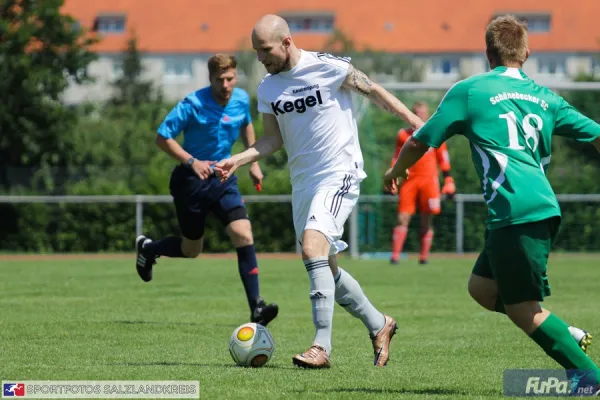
x=422, y=189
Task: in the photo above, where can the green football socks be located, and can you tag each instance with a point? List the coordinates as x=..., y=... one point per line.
x=554, y=338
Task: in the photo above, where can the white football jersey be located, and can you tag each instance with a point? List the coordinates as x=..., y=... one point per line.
x=316, y=118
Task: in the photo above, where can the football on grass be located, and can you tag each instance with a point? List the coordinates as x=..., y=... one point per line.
x=251, y=345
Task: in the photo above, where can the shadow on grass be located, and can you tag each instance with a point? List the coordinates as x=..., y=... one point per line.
x=422, y=392
x=189, y=364
x=170, y=364
x=126, y=322
x=165, y=323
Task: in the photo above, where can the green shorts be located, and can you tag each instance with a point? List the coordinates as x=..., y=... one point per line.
x=516, y=257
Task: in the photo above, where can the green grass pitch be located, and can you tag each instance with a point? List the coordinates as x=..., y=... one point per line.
x=94, y=319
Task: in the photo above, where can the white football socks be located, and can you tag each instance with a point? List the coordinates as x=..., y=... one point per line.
x=349, y=295
x=322, y=293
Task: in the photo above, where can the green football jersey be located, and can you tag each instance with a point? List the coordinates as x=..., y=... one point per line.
x=509, y=121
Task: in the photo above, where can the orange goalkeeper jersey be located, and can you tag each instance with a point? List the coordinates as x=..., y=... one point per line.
x=427, y=165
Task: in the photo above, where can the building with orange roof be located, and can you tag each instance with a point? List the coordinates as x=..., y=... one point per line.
x=176, y=37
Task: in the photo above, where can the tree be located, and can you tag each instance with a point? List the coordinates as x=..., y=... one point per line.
x=250, y=71
x=339, y=42
x=130, y=89
x=42, y=51
x=586, y=101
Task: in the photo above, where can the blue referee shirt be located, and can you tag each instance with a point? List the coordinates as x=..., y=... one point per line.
x=209, y=129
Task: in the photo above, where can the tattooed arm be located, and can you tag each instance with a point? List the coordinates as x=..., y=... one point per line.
x=359, y=82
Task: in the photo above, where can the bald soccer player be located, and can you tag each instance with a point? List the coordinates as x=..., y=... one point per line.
x=307, y=108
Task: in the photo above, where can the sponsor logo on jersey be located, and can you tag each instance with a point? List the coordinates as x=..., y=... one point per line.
x=306, y=88
x=299, y=105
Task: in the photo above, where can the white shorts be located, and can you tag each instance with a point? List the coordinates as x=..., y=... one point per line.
x=325, y=208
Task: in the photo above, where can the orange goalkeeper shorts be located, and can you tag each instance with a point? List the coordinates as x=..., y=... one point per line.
x=423, y=191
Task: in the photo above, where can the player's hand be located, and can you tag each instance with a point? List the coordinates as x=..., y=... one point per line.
x=202, y=168
x=391, y=182
x=225, y=168
x=392, y=191
x=256, y=175
x=449, y=188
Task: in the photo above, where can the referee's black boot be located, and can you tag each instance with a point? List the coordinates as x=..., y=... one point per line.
x=144, y=261
x=264, y=313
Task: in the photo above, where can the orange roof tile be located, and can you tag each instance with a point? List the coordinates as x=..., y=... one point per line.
x=431, y=26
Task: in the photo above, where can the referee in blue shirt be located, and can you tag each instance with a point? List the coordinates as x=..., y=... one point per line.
x=211, y=120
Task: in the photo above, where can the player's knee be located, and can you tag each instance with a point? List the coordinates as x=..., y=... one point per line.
x=242, y=239
x=527, y=315
x=240, y=232
x=404, y=219
x=315, y=246
x=309, y=251
x=191, y=248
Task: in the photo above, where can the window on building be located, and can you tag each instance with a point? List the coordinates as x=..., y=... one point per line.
x=444, y=67
x=552, y=66
x=110, y=24
x=177, y=70
x=448, y=66
x=536, y=23
x=596, y=65
x=316, y=23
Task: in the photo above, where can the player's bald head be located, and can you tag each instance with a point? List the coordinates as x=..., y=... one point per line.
x=271, y=28
x=273, y=43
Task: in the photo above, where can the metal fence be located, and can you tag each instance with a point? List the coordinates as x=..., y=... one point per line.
x=549, y=83
x=353, y=226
